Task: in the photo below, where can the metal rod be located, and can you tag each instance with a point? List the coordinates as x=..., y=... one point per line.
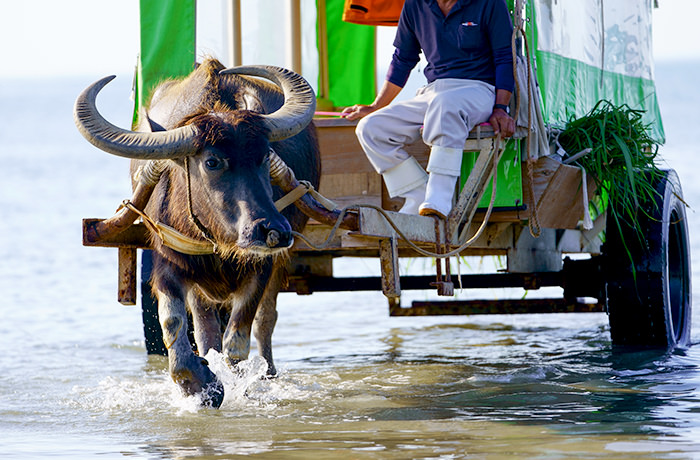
x=310, y=283
x=575, y=157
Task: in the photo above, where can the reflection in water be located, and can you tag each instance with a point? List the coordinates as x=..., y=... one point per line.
x=527, y=396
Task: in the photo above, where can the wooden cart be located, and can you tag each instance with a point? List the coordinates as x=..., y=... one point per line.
x=600, y=281
x=643, y=285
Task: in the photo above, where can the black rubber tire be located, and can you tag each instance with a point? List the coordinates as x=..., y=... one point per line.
x=152, y=331
x=654, y=310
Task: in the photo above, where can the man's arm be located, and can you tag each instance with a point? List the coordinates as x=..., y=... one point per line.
x=500, y=34
x=386, y=94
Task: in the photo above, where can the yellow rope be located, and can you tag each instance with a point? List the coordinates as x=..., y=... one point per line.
x=402, y=235
x=173, y=238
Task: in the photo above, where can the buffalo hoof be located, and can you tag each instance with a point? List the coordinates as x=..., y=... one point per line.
x=271, y=372
x=197, y=379
x=213, y=395
x=233, y=365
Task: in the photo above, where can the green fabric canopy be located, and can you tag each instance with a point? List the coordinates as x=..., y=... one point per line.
x=167, y=45
x=351, y=57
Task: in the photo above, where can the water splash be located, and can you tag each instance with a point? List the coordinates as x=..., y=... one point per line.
x=248, y=390
x=247, y=385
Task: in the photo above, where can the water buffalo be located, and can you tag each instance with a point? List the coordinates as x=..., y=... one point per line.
x=210, y=138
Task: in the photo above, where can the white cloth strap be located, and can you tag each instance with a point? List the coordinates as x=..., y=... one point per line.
x=404, y=177
x=445, y=160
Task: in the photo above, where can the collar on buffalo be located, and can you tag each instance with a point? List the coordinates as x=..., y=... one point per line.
x=171, y=237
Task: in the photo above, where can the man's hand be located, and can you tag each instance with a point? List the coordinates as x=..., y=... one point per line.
x=502, y=123
x=357, y=111
x=386, y=94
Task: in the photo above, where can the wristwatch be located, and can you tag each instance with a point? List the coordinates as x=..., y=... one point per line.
x=503, y=107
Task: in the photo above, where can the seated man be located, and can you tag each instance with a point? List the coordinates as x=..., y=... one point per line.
x=467, y=44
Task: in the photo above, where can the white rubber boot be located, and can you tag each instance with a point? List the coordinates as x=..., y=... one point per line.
x=408, y=180
x=438, y=196
x=414, y=198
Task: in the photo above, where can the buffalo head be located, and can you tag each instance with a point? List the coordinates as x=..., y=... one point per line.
x=220, y=160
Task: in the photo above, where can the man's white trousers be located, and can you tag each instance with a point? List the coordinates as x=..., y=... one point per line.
x=446, y=109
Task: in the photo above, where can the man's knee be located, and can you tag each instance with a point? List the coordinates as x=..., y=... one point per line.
x=366, y=128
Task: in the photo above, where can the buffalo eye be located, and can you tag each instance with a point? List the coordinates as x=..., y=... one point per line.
x=213, y=163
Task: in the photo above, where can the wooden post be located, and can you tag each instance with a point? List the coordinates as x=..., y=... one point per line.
x=234, y=33
x=127, y=276
x=324, y=78
x=294, y=42
x=389, y=261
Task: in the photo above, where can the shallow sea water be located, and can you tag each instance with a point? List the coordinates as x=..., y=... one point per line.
x=354, y=383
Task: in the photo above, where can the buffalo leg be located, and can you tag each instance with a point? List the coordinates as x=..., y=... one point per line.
x=236, y=343
x=188, y=370
x=266, y=318
x=207, y=324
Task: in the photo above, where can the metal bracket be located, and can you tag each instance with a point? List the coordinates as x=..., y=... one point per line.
x=443, y=281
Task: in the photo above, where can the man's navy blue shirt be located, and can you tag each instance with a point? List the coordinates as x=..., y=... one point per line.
x=472, y=42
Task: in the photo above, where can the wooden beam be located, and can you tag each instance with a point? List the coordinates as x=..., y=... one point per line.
x=135, y=236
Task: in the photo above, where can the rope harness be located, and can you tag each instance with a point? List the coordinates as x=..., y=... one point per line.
x=533, y=222
x=436, y=254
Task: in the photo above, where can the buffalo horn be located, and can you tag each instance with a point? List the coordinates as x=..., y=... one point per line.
x=102, y=134
x=299, y=100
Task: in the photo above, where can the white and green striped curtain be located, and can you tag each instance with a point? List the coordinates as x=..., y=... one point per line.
x=588, y=50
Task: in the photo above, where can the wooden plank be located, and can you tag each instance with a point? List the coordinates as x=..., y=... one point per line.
x=317, y=234
x=320, y=265
x=496, y=307
x=415, y=228
x=341, y=151
x=352, y=188
x=475, y=186
x=561, y=203
x=421, y=229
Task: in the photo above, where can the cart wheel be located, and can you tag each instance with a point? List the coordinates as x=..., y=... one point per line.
x=152, y=332
x=653, y=310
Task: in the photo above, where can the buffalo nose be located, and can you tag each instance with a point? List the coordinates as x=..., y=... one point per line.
x=276, y=236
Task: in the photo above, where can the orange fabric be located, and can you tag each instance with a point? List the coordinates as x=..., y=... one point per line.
x=373, y=12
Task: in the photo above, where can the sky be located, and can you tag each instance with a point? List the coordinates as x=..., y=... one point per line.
x=98, y=37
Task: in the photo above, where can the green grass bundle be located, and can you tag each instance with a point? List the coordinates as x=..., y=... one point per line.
x=622, y=157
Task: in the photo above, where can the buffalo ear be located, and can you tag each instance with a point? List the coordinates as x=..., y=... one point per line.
x=154, y=125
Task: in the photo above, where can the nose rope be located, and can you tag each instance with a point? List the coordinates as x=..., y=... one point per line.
x=463, y=241
x=302, y=189
x=193, y=217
